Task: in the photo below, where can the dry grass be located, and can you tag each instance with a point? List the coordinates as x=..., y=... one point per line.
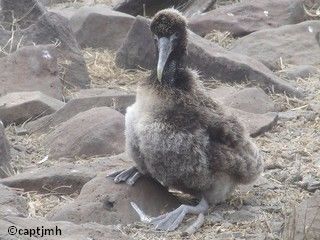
x=220, y=3
x=107, y=2
x=80, y=3
x=41, y=204
x=307, y=123
x=214, y=83
x=310, y=85
x=76, y=4
x=27, y=150
x=14, y=42
x=223, y=39
x=105, y=73
x=312, y=9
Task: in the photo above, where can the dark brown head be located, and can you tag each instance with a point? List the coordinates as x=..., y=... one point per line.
x=170, y=33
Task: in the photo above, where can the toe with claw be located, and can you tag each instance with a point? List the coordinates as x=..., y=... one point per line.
x=130, y=176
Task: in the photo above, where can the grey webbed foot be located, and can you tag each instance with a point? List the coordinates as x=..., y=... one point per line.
x=130, y=176
x=171, y=220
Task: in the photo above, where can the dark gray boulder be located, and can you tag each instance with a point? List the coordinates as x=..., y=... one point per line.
x=293, y=44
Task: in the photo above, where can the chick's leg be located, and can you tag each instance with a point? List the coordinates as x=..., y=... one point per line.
x=171, y=220
x=130, y=176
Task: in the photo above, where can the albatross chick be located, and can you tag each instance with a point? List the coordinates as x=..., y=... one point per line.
x=181, y=137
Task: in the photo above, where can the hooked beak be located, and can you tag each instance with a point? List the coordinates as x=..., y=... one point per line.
x=165, y=48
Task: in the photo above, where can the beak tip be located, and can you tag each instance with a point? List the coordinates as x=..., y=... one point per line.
x=159, y=74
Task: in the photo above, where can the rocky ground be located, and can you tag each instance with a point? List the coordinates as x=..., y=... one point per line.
x=69, y=69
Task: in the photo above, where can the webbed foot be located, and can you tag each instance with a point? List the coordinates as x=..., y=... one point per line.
x=171, y=220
